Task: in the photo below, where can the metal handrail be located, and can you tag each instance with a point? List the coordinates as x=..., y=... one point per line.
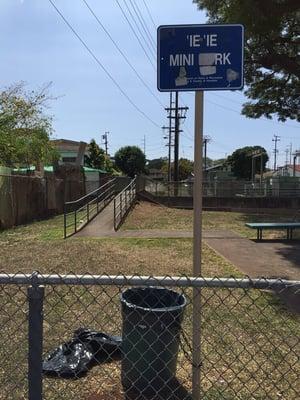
x=90, y=193
x=123, y=203
x=83, y=207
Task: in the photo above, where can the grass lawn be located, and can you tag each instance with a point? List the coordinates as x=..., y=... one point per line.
x=249, y=341
x=151, y=216
x=39, y=247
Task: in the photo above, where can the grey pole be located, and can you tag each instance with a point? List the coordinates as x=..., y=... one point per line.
x=35, y=295
x=176, y=141
x=170, y=140
x=197, y=248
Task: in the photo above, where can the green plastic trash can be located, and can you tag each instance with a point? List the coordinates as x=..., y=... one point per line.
x=151, y=332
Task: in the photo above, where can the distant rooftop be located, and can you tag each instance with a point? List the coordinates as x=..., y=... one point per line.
x=67, y=145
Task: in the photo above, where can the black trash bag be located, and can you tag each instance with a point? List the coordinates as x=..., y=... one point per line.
x=87, y=348
x=105, y=348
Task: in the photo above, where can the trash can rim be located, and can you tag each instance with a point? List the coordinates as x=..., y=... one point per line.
x=149, y=309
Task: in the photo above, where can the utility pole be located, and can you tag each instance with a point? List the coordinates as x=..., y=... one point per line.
x=275, y=139
x=254, y=155
x=170, y=140
x=179, y=113
x=176, y=141
x=291, y=152
x=169, y=144
x=105, y=139
x=144, y=144
x=287, y=152
x=206, y=140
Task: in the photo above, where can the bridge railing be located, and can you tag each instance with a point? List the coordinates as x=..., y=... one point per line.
x=123, y=203
x=80, y=212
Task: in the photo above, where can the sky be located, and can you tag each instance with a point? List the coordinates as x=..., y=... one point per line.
x=100, y=92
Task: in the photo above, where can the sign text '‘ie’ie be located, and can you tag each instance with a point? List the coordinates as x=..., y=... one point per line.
x=182, y=60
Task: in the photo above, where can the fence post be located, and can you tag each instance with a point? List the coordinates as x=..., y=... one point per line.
x=65, y=222
x=35, y=296
x=75, y=220
x=121, y=205
x=115, y=214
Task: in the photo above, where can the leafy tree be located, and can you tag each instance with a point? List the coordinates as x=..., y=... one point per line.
x=218, y=161
x=186, y=167
x=96, y=156
x=130, y=160
x=108, y=165
x=24, y=128
x=272, y=66
x=241, y=161
x=157, y=163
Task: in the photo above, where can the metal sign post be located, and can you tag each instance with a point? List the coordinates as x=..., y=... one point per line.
x=198, y=58
x=197, y=246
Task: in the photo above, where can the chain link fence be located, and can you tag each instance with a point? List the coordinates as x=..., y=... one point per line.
x=227, y=188
x=249, y=342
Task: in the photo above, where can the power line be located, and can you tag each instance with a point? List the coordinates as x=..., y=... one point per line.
x=145, y=38
x=133, y=30
x=143, y=23
x=121, y=52
x=226, y=98
x=224, y=107
x=238, y=112
x=265, y=120
x=149, y=13
x=102, y=66
x=138, y=28
x=187, y=137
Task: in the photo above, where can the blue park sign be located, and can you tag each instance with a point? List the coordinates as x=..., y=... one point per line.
x=200, y=57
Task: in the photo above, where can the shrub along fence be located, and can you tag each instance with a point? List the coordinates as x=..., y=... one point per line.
x=249, y=343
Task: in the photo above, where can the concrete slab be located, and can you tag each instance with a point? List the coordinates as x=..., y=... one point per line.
x=267, y=258
x=272, y=259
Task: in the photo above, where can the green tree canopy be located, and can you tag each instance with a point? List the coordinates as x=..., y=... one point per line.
x=185, y=166
x=272, y=62
x=96, y=156
x=24, y=128
x=157, y=163
x=130, y=160
x=241, y=161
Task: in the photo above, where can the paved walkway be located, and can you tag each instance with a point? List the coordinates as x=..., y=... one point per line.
x=277, y=258
x=101, y=225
